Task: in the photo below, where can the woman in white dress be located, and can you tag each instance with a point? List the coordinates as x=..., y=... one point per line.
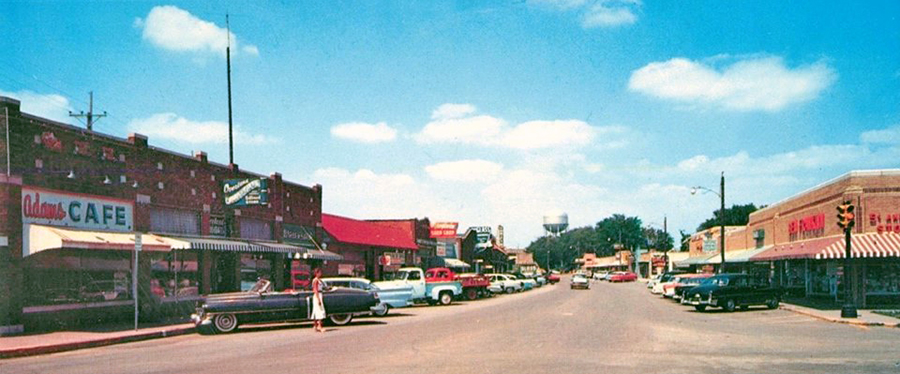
x=318, y=305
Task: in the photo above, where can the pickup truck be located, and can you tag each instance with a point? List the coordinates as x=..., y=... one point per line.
x=434, y=292
x=473, y=285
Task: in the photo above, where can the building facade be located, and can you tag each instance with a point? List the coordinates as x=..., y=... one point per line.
x=74, y=203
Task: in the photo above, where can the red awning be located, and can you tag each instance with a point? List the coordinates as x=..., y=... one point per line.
x=799, y=249
x=865, y=245
x=351, y=231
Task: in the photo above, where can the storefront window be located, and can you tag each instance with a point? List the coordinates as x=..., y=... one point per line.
x=174, y=275
x=74, y=276
x=823, y=278
x=883, y=279
x=254, y=267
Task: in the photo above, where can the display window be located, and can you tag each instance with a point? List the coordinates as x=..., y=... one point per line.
x=175, y=275
x=883, y=278
x=254, y=267
x=77, y=276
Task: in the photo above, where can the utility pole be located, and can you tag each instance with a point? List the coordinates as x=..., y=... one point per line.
x=228, y=66
x=90, y=114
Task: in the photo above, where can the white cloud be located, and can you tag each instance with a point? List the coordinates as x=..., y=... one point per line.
x=448, y=110
x=597, y=13
x=456, y=123
x=50, y=106
x=172, y=28
x=482, y=130
x=172, y=127
x=465, y=171
x=549, y=134
x=889, y=135
x=609, y=14
x=364, y=132
x=754, y=84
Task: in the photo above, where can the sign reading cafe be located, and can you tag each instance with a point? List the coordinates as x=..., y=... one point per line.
x=242, y=192
x=54, y=208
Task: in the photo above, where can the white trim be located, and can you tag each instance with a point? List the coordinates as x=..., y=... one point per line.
x=4, y=241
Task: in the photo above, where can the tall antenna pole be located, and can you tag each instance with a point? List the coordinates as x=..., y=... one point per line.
x=228, y=63
x=90, y=114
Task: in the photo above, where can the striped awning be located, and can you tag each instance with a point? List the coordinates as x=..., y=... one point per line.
x=209, y=244
x=864, y=245
x=319, y=254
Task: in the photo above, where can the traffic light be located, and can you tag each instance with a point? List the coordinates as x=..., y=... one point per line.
x=845, y=215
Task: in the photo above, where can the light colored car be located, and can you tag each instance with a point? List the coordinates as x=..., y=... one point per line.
x=504, y=283
x=527, y=282
x=580, y=281
x=388, y=298
x=600, y=275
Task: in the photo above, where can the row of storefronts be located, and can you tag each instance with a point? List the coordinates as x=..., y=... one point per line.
x=797, y=243
x=89, y=223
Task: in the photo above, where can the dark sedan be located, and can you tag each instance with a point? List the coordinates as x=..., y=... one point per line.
x=223, y=313
x=728, y=291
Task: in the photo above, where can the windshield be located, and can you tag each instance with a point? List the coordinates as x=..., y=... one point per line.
x=261, y=285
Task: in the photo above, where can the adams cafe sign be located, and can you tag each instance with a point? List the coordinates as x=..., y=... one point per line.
x=53, y=208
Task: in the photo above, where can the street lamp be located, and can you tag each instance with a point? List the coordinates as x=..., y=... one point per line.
x=721, y=195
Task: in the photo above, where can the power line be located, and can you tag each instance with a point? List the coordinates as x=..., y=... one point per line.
x=90, y=113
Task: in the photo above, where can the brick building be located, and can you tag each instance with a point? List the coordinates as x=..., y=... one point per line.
x=72, y=201
x=796, y=243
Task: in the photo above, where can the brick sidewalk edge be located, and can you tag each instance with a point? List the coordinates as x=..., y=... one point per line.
x=836, y=320
x=71, y=346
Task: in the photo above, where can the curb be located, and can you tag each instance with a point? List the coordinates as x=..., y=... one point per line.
x=71, y=346
x=837, y=320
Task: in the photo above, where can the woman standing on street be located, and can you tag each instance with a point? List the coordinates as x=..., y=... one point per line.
x=318, y=305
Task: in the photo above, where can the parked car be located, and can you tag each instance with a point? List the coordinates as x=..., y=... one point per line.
x=398, y=297
x=540, y=280
x=580, y=281
x=600, y=275
x=552, y=278
x=527, y=282
x=623, y=276
x=437, y=291
x=685, y=281
x=663, y=280
x=729, y=291
x=223, y=313
x=504, y=283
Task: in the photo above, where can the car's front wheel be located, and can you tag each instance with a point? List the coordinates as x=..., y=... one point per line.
x=445, y=298
x=225, y=322
x=700, y=308
x=772, y=303
x=340, y=319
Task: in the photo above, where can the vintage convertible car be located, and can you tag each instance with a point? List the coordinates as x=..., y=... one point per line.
x=223, y=313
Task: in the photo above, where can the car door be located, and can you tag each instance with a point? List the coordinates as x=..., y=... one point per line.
x=415, y=280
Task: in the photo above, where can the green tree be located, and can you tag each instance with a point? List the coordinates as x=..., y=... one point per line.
x=619, y=229
x=685, y=240
x=737, y=215
x=658, y=239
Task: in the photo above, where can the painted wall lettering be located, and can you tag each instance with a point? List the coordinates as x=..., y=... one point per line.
x=55, y=208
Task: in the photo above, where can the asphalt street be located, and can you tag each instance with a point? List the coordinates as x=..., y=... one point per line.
x=611, y=328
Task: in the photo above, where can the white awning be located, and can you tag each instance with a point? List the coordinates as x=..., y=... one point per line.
x=40, y=238
x=454, y=263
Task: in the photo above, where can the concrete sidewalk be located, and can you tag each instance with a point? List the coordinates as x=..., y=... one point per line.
x=865, y=317
x=60, y=341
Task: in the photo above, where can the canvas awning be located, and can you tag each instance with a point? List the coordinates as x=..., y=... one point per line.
x=795, y=250
x=696, y=260
x=212, y=244
x=318, y=254
x=454, y=263
x=40, y=238
x=865, y=245
x=744, y=255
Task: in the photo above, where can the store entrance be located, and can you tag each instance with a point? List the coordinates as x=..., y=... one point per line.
x=225, y=278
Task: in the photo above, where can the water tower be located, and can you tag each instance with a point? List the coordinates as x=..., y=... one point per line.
x=555, y=222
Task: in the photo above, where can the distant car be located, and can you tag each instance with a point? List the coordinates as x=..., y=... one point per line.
x=601, y=275
x=504, y=283
x=540, y=280
x=681, y=283
x=552, y=278
x=663, y=280
x=623, y=276
x=729, y=291
x=527, y=282
x=580, y=281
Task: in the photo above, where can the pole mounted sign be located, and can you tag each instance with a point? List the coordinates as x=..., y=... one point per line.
x=243, y=192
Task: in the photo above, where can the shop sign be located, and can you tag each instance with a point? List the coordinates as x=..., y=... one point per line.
x=397, y=258
x=885, y=223
x=78, y=211
x=295, y=234
x=217, y=225
x=243, y=192
x=444, y=229
x=709, y=245
x=807, y=227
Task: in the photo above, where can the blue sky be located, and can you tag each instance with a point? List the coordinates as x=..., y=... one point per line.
x=486, y=112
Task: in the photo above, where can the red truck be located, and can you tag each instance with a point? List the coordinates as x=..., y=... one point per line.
x=474, y=285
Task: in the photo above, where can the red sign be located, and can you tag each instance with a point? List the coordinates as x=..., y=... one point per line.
x=444, y=229
x=384, y=260
x=51, y=142
x=885, y=223
x=807, y=227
